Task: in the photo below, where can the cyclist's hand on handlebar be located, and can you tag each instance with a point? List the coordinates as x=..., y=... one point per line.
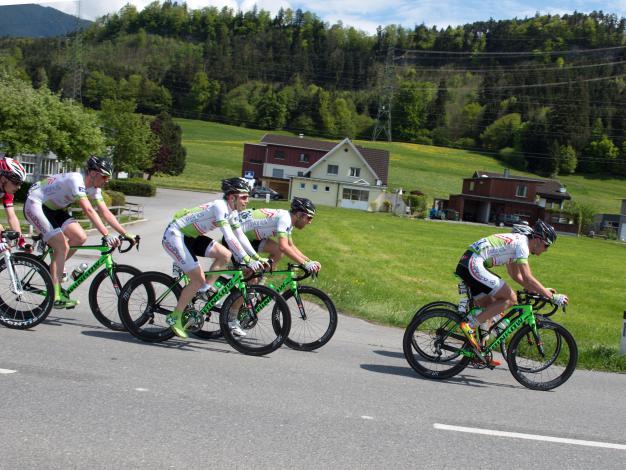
x=112, y=241
x=4, y=247
x=559, y=299
x=129, y=237
x=255, y=265
x=312, y=266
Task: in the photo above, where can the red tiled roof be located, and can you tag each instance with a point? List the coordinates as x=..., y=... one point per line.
x=377, y=159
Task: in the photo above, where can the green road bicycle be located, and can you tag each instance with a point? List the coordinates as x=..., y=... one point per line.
x=313, y=313
x=106, y=285
x=541, y=354
x=148, y=298
x=24, y=284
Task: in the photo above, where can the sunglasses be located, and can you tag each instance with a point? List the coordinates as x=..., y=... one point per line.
x=243, y=198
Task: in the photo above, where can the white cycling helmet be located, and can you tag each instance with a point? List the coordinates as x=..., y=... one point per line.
x=12, y=170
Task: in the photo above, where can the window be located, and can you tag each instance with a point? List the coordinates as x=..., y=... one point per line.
x=355, y=194
x=279, y=155
x=327, y=189
x=304, y=158
x=302, y=185
x=332, y=169
x=314, y=187
x=256, y=161
x=522, y=190
x=301, y=173
x=277, y=173
x=471, y=186
x=354, y=171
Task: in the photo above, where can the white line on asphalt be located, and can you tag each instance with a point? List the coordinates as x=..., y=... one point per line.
x=141, y=389
x=7, y=371
x=532, y=437
x=366, y=417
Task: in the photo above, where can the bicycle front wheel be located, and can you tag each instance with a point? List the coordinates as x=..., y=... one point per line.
x=265, y=326
x=432, y=344
x=105, y=291
x=543, y=361
x=314, y=325
x=144, y=304
x=27, y=302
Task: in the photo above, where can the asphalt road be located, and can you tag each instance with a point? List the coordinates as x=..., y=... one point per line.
x=75, y=395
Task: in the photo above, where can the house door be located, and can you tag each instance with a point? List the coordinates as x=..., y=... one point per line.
x=355, y=199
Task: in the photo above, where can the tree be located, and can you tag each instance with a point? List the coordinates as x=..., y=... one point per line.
x=271, y=111
x=500, y=134
x=129, y=136
x=203, y=93
x=411, y=103
x=170, y=155
x=567, y=159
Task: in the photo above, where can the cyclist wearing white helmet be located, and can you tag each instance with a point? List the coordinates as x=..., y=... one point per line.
x=186, y=238
x=12, y=176
x=511, y=249
x=260, y=225
x=46, y=209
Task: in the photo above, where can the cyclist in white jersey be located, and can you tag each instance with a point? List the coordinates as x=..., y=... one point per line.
x=185, y=239
x=46, y=209
x=260, y=225
x=12, y=175
x=490, y=291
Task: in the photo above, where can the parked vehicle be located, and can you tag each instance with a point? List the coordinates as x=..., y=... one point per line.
x=261, y=191
x=445, y=214
x=508, y=220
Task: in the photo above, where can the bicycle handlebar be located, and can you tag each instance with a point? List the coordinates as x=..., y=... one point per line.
x=119, y=248
x=303, y=276
x=539, y=300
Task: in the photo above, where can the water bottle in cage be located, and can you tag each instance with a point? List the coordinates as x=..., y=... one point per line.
x=78, y=270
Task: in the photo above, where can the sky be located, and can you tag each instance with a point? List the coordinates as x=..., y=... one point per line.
x=367, y=15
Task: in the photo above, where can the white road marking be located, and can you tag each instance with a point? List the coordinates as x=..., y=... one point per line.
x=532, y=437
x=366, y=417
x=7, y=371
x=141, y=389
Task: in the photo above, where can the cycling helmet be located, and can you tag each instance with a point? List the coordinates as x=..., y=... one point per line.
x=545, y=232
x=235, y=186
x=12, y=170
x=104, y=166
x=302, y=204
x=524, y=229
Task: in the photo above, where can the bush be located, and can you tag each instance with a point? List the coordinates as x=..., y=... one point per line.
x=117, y=198
x=133, y=187
x=417, y=204
x=465, y=143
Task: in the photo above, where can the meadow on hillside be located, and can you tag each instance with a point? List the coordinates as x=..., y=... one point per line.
x=215, y=151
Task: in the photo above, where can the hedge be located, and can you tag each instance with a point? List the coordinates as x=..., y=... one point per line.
x=133, y=187
x=117, y=198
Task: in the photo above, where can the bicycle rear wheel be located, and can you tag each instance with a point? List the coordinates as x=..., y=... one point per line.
x=545, y=361
x=31, y=303
x=262, y=335
x=432, y=344
x=315, y=325
x=104, y=293
x=144, y=304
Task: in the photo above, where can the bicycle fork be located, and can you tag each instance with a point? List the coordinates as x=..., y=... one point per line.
x=16, y=286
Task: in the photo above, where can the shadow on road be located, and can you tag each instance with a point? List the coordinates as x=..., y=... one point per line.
x=461, y=379
x=394, y=354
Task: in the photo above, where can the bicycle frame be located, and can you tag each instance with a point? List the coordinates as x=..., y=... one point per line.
x=16, y=287
x=290, y=283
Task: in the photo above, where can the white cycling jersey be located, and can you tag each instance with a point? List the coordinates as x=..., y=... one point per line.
x=261, y=224
x=502, y=248
x=59, y=191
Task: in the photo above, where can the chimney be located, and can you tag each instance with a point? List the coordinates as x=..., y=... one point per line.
x=506, y=173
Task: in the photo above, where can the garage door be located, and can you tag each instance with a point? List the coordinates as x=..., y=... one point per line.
x=355, y=198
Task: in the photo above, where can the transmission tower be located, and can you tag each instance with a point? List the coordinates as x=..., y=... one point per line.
x=383, y=119
x=76, y=59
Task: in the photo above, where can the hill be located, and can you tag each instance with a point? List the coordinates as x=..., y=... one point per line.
x=215, y=151
x=37, y=21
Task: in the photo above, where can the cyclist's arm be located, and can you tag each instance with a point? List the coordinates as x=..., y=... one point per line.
x=520, y=273
x=14, y=222
x=245, y=243
x=232, y=241
x=92, y=215
x=107, y=215
x=286, y=246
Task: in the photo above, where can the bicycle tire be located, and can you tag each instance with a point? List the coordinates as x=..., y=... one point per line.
x=34, y=303
x=436, y=332
x=104, y=305
x=211, y=328
x=436, y=304
x=143, y=311
x=321, y=317
x=530, y=367
x=261, y=335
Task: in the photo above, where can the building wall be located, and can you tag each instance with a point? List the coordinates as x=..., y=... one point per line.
x=504, y=188
x=326, y=194
x=344, y=158
x=253, y=159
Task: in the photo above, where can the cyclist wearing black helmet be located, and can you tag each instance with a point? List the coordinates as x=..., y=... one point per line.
x=186, y=238
x=490, y=292
x=260, y=225
x=46, y=209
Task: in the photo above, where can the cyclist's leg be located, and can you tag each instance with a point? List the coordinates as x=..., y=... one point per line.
x=270, y=247
x=75, y=234
x=208, y=248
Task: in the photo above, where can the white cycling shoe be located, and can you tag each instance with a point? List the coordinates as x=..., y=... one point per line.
x=235, y=328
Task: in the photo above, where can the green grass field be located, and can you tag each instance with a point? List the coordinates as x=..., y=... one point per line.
x=382, y=268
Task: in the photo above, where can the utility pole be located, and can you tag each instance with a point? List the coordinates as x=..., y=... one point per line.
x=76, y=60
x=383, y=119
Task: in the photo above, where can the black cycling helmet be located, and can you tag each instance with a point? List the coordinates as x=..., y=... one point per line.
x=104, y=166
x=302, y=204
x=545, y=232
x=235, y=186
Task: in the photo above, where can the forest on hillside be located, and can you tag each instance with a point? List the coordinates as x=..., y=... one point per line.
x=545, y=93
